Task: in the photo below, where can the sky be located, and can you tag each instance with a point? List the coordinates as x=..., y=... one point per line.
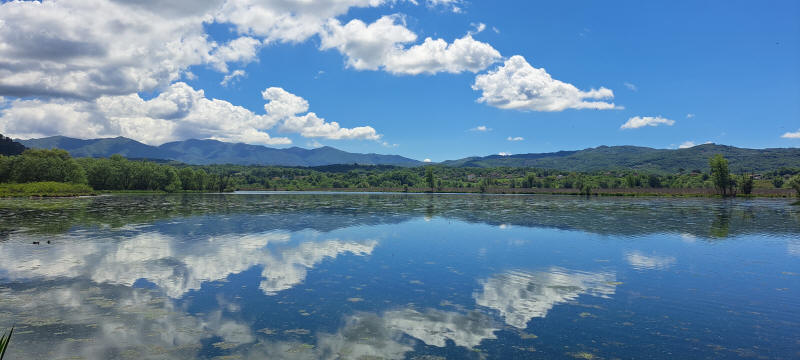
x=426, y=79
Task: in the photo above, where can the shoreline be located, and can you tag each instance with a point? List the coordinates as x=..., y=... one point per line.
x=658, y=192
x=643, y=192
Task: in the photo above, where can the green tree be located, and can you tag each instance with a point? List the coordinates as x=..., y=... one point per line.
x=794, y=182
x=746, y=184
x=720, y=175
x=777, y=182
x=429, y=178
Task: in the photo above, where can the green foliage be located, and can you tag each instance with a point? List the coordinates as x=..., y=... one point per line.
x=121, y=174
x=777, y=182
x=47, y=188
x=41, y=165
x=4, y=341
x=10, y=147
x=720, y=175
x=429, y=179
x=794, y=182
x=118, y=173
x=746, y=184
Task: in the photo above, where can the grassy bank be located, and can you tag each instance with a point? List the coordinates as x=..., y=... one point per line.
x=45, y=189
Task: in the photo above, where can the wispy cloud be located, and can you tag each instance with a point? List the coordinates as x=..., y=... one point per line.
x=689, y=115
x=642, y=121
x=232, y=77
x=516, y=138
x=481, y=128
x=631, y=87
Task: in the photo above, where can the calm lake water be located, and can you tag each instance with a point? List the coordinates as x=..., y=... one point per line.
x=399, y=276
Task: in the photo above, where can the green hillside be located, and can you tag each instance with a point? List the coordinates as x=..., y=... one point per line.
x=643, y=158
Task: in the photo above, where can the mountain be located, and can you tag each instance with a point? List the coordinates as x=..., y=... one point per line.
x=643, y=158
x=203, y=152
x=10, y=147
x=601, y=158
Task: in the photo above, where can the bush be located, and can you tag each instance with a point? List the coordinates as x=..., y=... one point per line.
x=46, y=188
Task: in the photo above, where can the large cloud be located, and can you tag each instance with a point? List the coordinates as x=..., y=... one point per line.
x=381, y=45
x=179, y=112
x=519, y=86
x=91, y=48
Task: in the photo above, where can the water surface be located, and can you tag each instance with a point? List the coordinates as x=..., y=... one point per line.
x=399, y=276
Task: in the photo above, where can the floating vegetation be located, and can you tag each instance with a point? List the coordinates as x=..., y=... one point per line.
x=297, y=332
x=524, y=335
x=300, y=348
x=525, y=348
x=582, y=355
x=587, y=315
x=267, y=331
x=5, y=339
x=355, y=299
x=223, y=345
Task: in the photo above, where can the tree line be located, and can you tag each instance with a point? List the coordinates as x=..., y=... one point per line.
x=119, y=173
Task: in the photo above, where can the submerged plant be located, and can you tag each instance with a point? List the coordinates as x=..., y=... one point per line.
x=4, y=340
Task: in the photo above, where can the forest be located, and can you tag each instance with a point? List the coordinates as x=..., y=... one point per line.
x=117, y=173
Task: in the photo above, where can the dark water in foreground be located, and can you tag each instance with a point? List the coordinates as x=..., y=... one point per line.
x=355, y=276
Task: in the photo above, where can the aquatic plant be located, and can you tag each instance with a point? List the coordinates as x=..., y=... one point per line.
x=4, y=340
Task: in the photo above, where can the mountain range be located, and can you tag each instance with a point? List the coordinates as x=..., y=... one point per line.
x=601, y=158
x=203, y=152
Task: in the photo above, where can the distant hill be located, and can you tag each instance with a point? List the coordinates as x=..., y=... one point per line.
x=601, y=158
x=643, y=158
x=10, y=147
x=203, y=152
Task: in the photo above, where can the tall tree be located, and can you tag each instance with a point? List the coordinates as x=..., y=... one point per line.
x=429, y=179
x=720, y=174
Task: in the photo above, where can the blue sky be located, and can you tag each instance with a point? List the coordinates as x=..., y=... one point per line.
x=727, y=72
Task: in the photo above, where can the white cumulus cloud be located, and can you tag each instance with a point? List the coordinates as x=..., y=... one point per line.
x=91, y=48
x=481, y=128
x=642, y=121
x=792, y=135
x=519, y=86
x=179, y=112
x=516, y=138
x=382, y=45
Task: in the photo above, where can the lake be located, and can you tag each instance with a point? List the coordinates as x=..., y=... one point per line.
x=399, y=276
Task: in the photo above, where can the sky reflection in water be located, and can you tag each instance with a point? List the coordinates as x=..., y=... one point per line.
x=305, y=276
